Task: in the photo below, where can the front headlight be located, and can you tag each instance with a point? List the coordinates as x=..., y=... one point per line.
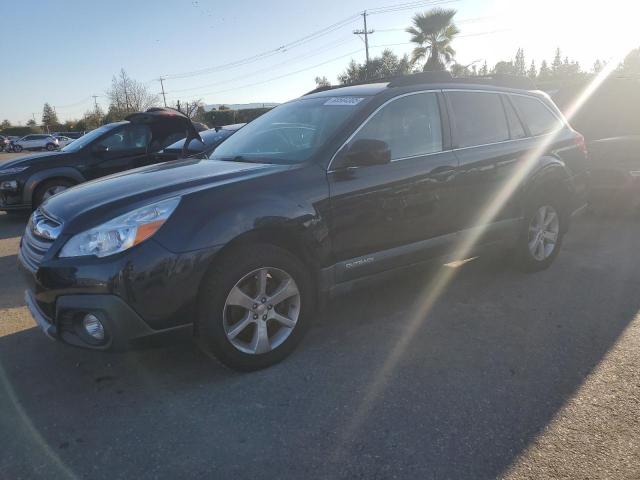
x=121, y=233
x=12, y=170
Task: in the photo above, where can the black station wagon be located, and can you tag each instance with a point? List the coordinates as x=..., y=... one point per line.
x=314, y=196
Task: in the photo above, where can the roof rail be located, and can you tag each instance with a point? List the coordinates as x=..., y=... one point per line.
x=500, y=80
x=323, y=89
x=419, y=78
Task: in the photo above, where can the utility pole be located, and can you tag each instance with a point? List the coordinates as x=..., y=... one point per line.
x=164, y=99
x=366, y=32
x=179, y=106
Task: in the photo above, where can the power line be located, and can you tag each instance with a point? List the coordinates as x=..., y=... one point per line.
x=268, y=53
x=305, y=56
x=285, y=75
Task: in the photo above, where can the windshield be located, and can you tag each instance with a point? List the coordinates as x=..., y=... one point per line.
x=85, y=140
x=290, y=133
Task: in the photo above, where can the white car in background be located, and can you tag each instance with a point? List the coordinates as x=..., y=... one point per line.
x=36, y=142
x=63, y=141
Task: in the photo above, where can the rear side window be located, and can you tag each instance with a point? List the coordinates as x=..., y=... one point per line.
x=479, y=118
x=538, y=118
x=410, y=125
x=515, y=127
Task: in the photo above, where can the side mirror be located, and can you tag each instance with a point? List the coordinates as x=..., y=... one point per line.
x=366, y=152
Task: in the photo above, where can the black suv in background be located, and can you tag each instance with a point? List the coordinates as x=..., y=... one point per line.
x=334, y=187
x=28, y=181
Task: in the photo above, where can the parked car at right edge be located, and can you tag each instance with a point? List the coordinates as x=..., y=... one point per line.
x=310, y=199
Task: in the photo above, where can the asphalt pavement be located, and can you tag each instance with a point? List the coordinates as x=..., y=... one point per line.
x=507, y=376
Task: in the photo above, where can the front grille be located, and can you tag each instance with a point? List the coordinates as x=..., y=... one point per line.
x=34, y=247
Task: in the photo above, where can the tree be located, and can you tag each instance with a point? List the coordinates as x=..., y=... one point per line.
x=31, y=123
x=127, y=95
x=49, y=117
x=5, y=124
x=504, y=68
x=92, y=119
x=556, y=66
x=484, y=70
x=433, y=32
x=519, y=65
x=458, y=70
x=322, y=82
x=194, y=109
x=598, y=66
x=545, y=71
x=631, y=63
x=386, y=65
x=532, y=73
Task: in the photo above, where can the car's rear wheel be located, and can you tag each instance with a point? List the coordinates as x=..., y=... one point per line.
x=50, y=147
x=50, y=188
x=255, y=307
x=541, y=236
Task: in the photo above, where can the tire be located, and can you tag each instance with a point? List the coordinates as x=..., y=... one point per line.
x=529, y=254
x=231, y=332
x=50, y=147
x=17, y=148
x=48, y=189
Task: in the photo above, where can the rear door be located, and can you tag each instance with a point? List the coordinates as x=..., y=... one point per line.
x=382, y=216
x=122, y=149
x=490, y=144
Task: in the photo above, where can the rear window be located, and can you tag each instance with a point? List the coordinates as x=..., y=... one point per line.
x=536, y=115
x=479, y=118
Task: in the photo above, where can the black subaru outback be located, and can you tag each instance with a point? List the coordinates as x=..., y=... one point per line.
x=320, y=192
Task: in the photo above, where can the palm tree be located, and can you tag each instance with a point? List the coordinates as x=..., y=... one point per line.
x=433, y=32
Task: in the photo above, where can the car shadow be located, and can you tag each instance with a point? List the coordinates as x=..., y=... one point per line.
x=12, y=225
x=458, y=391
x=11, y=285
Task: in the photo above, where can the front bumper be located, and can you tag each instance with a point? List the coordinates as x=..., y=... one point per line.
x=146, y=292
x=122, y=325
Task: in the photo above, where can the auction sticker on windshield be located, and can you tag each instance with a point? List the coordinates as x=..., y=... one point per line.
x=344, y=101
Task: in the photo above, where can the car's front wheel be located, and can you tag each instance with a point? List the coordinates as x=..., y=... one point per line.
x=17, y=148
x=50, y=147
x=541, y=236
x=50, y=188
x=255, y=307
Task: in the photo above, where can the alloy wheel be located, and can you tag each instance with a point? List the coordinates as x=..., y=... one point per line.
x=261, y=310
x=544, y=230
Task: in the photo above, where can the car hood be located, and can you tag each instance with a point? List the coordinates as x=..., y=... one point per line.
x=91, y=203
x=31, y=160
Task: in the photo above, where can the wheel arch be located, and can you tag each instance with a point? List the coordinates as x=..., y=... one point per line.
x=35, y=180
x=552, y=178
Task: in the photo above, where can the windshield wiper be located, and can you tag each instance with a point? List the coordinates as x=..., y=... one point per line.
x=240, y=158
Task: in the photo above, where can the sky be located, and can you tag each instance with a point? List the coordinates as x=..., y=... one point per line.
x=257, y=51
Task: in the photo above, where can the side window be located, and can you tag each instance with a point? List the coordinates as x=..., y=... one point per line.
x=515, y=126
x=409, y=125
x=479, y=118
x=538, y=118
x=27, y=138
x=131, y=137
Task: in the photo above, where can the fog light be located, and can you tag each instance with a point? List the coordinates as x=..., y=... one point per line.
x=9, y=185
x=93, y=326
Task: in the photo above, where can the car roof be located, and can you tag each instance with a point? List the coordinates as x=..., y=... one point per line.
x=370, y=89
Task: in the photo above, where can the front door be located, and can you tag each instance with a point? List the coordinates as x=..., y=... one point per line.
x=383, y=216
x=122, y=149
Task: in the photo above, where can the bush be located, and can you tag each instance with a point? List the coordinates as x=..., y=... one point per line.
x=219, y=118
x=20, y=131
